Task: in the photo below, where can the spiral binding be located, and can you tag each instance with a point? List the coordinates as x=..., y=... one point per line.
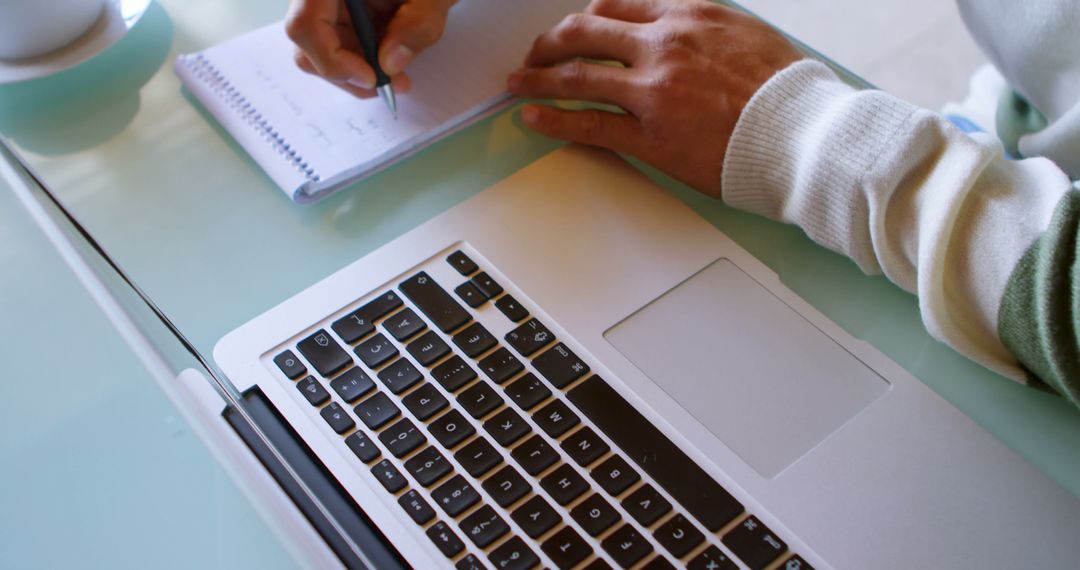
x=212, y=76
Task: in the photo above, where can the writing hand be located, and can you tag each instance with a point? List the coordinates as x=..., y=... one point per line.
x=688, y=67
x=327, y=45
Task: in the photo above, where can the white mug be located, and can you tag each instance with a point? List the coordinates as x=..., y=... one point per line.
x=30, y=28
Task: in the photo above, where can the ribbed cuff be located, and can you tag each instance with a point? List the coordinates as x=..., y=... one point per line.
x=801, y=148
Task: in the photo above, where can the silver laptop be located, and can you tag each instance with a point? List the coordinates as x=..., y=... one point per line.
x=574, y=370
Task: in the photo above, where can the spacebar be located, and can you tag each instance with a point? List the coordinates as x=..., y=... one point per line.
x=689, y=484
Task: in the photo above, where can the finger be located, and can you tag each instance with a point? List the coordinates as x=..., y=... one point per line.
x=618, y=132
x=313, y=27
x=637, y=11
x=574, y=80
x=416, y=26
x=588, y=36
x=401, y=84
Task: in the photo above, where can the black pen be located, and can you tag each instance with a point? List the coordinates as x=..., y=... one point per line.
x=369, y=42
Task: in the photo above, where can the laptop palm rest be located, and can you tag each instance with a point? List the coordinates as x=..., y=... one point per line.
x=760, y=377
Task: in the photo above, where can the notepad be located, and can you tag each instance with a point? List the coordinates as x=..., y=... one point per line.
x=312, y=138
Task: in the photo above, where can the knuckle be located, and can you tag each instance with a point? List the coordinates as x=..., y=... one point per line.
x=571, y=27
x=591, y=126
x=429, y=31
x=666, y=40
x=572, y=74
x=695, y=10
x=297, y=26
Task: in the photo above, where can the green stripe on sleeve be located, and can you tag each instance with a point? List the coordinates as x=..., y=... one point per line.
x=1039, y=316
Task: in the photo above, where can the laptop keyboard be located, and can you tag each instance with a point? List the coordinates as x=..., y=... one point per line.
x=510, y=452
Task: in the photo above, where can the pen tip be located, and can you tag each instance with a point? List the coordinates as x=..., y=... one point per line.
x=386, y=92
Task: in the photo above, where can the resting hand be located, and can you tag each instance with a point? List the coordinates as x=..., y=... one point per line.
x=327, y=45
x=688, y=69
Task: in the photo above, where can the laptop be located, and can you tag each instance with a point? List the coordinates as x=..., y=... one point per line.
x=572, y=369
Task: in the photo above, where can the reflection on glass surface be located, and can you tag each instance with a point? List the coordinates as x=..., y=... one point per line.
x=208, y=236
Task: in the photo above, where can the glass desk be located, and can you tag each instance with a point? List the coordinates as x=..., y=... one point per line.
x=97, y=469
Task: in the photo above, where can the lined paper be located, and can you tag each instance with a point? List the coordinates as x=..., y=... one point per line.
x=342, y=138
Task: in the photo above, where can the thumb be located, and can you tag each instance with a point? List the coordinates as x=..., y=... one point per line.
x=417, y=25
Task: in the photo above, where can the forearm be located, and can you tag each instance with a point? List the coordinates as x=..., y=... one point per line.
x=901, y=192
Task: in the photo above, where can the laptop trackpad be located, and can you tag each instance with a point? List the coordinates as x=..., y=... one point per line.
x=758, y=375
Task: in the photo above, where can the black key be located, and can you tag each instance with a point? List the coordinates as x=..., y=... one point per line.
x=352, y=384
x=795, y=563
x=455, y=495
x=513, y=555
x=646, y=505
x=595, y=515
x=337, y=417
x=416, y=507
x=324, y=353
x=597, y=564
x=527, y=391
x=470, y=294
x=376, y=350
x=506, y=427
x=477, y=457
x=483, y=526
x=506, y=486
x=535, y=516
x=469, y=562
x=564, y=484
x=453, y=374
x=556, y=418
x=487, y=285
x=754, y=543
x=691, y=486
x=560, y=366
x=404, y=324
x=479, y=400
x=678, y=536
x=445, y=539
x=626, y=546
x=435, y=302
x=584, y=446
x=425, y=401
x=529, y=337
x=451, y=429
x=401, y=438
x=376, y=410
x=462, y=263
x=290, y=365
x=712, y=558
x=474, y=340
x=427, y=348
x=511, y=308
x=314, y=392
x=657, y=563
x=535, y=455
x=428, y=466
x=615, y=475
x=380, y=306
x=388, y=475
x=400, y=375
x=353, y=327
x=566, y=548
x=500, y=365
x=362, y=446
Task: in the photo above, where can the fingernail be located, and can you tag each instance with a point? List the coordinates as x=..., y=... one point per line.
x=530, y=115
x=513, y=81
x=397, y=58
x=357, y=82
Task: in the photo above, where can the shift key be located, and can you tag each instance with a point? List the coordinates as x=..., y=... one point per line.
x=324, y=353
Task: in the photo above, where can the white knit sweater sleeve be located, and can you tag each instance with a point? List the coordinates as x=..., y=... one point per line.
x=900, y=191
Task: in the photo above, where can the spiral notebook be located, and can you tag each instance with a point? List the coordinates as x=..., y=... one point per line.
x=312, y=138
